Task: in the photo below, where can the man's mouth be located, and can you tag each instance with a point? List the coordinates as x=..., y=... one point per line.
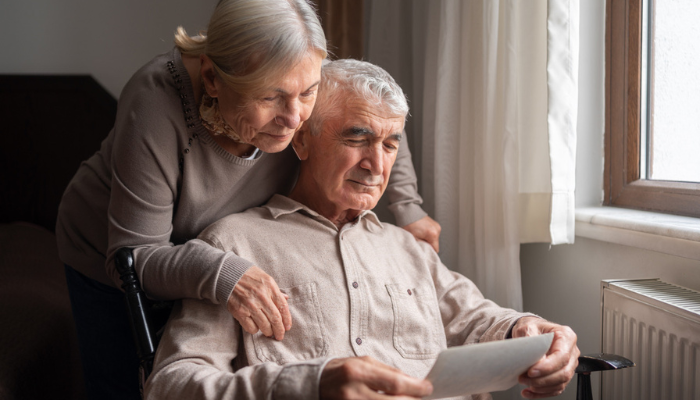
x=364, y=183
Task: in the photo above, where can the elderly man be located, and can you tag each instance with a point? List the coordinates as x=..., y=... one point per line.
x=371, y=306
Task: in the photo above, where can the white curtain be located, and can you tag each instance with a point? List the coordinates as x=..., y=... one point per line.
x=497, y=144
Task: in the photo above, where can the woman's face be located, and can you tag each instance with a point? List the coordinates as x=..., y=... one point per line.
x=270, y=121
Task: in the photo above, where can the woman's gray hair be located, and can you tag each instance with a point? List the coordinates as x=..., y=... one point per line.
x=254, y=42
x=346, y=79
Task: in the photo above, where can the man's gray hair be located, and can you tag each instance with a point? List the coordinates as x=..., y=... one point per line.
x=346, y=79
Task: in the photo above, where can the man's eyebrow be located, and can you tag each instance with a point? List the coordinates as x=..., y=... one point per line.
x=356, y=131
x=396, y=136
x=280, y=90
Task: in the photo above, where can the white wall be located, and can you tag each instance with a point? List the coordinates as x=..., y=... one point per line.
x=107, y=39
x=563, y=283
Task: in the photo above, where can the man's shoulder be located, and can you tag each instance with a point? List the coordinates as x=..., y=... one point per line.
x=237, y=224
x=403, y=239
x=394, y=230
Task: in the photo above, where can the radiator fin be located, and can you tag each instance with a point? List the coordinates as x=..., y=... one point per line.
x=656, y=325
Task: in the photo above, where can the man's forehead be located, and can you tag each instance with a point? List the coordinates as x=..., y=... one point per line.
x=362, y=131
x=361, y=117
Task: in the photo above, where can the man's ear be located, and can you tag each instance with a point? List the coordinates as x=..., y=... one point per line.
x=300, y=142
x=208, y=75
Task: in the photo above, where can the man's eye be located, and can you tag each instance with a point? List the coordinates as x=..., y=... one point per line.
x=273, y=98
x=308, y=94
x=391, y=146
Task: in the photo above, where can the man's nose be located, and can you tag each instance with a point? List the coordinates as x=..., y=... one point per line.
x=373, y=161
x=290, y=116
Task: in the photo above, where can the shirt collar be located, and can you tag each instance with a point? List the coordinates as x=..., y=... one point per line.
x=282, y=205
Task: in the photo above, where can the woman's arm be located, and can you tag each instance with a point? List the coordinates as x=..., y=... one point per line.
x=405, y=202
x=147, y=190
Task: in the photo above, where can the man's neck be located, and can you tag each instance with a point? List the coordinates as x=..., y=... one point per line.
x=339, y=217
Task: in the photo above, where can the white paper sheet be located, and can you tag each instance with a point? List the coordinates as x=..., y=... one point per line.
x=485, y=367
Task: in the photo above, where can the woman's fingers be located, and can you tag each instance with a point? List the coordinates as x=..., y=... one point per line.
x=248, y=325
x=426, y=229
x=258, y=304
x=281, y=303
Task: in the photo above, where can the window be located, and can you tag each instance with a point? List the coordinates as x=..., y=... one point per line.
x=650, y=104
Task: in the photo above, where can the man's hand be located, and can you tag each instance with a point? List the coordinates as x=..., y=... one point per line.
x=426, y=229
x=367, y=378
x=549, y=376
x=257, y=303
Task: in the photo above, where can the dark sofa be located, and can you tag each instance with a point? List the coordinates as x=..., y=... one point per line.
x=50, y=124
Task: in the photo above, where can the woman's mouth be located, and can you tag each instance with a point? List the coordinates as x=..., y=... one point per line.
x=281, y=137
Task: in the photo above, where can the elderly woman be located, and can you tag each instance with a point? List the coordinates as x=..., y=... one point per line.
x=201, y=132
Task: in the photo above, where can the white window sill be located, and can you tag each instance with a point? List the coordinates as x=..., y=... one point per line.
x=669, y=234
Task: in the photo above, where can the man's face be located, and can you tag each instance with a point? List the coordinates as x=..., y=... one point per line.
x=351, y=159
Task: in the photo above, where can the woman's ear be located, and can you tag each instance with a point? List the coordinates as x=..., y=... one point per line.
x=209, y=77
x=300, y=142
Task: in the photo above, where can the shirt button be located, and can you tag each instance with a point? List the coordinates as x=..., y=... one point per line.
x=355, y=285
x=358, y=341
x=410, y=292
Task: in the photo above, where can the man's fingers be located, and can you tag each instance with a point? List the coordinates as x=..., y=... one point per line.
x=558, y=379
x=562, y=353
x=393, y=382
x=529, y=394
x=553, y=382
x=366, y=378
x=546, y=389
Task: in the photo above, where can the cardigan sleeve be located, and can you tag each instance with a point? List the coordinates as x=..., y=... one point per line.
x=197, y=355
x=402, y=190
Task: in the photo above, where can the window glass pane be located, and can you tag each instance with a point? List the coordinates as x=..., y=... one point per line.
x=674, y=82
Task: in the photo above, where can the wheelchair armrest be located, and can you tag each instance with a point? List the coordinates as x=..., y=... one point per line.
x=138, y=309
x=588, y=363
x=601, y=362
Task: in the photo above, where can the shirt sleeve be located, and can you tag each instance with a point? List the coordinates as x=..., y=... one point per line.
x=402, y=190
x=467, y=316
x=197, y=359
x=144, y=193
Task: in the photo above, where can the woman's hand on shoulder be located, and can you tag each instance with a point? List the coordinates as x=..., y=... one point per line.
x=258, y=304
x=426, y=229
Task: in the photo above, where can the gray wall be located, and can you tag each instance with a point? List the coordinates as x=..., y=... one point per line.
x=107, y=39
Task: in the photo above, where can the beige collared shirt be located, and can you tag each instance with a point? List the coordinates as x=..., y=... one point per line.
x=368, y=288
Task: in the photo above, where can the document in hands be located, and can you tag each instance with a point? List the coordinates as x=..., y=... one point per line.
x=485, y=367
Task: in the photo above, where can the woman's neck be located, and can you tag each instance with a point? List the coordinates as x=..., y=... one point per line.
x=192, y=64
x=242, y=150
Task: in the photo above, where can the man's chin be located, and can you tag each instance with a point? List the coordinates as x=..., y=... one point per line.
x=365, y=202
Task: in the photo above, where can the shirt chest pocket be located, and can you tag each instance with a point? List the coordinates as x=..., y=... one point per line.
x=306, y=339
x=417, y=323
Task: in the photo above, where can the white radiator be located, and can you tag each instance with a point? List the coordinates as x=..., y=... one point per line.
x=656, y=325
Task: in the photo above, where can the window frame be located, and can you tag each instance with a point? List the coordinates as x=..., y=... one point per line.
x=622, y=184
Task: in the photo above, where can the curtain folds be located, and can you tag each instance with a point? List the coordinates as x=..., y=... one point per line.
x=498, y=135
